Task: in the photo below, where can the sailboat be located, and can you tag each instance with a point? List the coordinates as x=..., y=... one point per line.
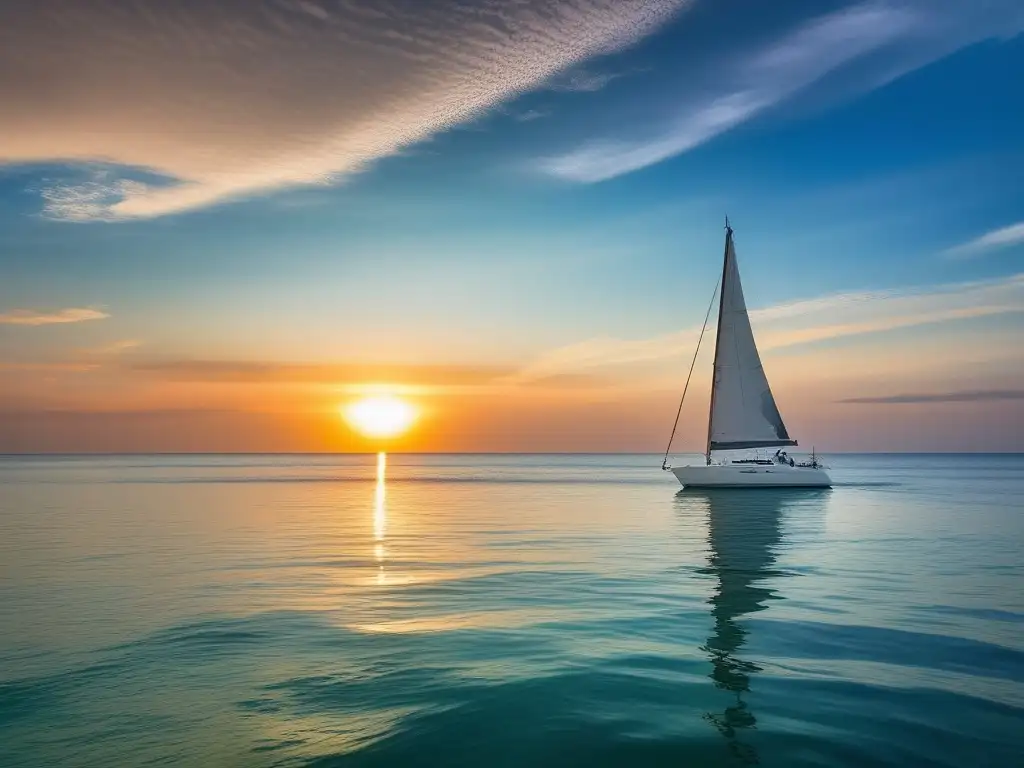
x=743, y=413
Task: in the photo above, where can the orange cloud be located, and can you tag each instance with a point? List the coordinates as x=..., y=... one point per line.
x=258, y=372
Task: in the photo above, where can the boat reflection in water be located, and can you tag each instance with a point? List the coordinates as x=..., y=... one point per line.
x=744, y=533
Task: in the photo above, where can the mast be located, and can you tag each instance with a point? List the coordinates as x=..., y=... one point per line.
x=718, y=335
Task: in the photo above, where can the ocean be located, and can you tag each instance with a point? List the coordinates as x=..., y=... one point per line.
x=517, y=610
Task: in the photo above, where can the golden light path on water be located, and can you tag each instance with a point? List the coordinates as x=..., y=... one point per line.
x=380, y=515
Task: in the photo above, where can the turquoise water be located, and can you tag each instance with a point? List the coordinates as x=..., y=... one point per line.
x=516, y=610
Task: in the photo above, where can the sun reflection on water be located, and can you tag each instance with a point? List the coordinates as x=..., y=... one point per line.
x=380, y=516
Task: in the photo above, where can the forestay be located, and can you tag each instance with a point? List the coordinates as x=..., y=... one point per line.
x=743, y=411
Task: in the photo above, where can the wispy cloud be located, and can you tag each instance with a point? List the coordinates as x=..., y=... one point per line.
x=530, y=115
x=35, y=317
x=802, y=322
x=915, y=32
x=967, y=396
x=269, y=371
x=582, y=80
x=997, y=238
x=358, y=378
x=114, y=349
x=607, y=159
x=237, y=97
x=91, y=199
x=606, y=351
x=48, y=367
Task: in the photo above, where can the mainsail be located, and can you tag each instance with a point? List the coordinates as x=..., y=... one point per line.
x=743, y=411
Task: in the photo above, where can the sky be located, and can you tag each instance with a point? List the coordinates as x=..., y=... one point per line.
x=222, y=221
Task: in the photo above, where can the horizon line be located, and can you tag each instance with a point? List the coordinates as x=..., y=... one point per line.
x=478, y=453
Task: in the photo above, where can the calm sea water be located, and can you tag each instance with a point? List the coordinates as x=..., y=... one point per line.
x=516, y=610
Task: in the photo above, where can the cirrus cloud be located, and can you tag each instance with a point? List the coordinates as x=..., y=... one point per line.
x=229, y=99
x=884, y=38
x=966, y=396
x=34, y=317
x=806, y=321
x=997, y=238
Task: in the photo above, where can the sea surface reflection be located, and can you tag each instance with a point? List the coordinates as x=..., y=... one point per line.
x=380, y=515
x=387, y=610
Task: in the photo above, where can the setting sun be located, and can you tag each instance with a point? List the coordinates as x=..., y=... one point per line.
x=380, y=416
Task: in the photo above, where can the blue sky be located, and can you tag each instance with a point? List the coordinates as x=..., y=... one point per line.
x=496, y=188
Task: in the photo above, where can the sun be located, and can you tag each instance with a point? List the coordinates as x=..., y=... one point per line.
x=380, y=416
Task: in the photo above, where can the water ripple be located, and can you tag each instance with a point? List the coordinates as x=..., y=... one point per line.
x=289, y=611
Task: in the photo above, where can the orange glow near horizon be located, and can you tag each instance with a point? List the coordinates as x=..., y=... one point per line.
x=380, y=416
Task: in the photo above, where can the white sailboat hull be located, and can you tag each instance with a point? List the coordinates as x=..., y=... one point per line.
x=751, y=476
